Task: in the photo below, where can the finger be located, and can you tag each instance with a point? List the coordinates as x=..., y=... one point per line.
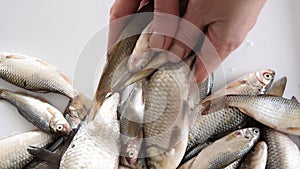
x=119, y=9
x=188, y=33
x=164, y=24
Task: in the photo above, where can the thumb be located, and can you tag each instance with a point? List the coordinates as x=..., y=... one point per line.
x=164, y=24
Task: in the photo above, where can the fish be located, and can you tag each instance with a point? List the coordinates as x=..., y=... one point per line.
x=278, y=87
x=276, y=112
x=14, y=152
x=37, y=111
x=283, y=153
x=118, y=55
x=131, y=126
x=96, y=143
x=34, y=74
x=226, y=150
x=254, y=83
x=166, y=114
x=257, y=158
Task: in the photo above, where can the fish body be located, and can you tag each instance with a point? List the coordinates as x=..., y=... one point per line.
x=276, y=112
x=166, y=115
x=40, y=113
x=256, y=159
x=117, y=57
x=34, y=74
x=96, y=143
x=283, y=153
x=227, y=149
x=14, y=148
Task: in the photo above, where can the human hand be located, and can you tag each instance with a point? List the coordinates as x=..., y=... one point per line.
x=225, y=23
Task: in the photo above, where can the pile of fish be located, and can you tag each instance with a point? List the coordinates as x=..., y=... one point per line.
x=148, y=113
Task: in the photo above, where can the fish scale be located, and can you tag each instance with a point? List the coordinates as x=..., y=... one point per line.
x=283, y=153
x=276, y=112
x=14, y=148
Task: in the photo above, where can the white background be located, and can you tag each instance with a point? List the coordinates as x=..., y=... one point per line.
x=58, y=30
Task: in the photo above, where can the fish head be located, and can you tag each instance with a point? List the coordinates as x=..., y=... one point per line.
x=131, y=152
x=251, y=134
x=264, y=78
x=60, y=125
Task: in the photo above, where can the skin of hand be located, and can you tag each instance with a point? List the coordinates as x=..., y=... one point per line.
x=225, y=23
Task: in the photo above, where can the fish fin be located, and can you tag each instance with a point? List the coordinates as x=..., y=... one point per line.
x=215, y=101
x=278, y=87
x=294, y=99
x=45, y=155
x=11, y=56
x=294, y=129
x=236, y=83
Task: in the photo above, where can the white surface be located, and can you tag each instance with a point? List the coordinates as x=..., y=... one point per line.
x=57, y=31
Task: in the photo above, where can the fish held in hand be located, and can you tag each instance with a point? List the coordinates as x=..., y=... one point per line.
x=166, y=114
x=38, y=112
x=34, y=74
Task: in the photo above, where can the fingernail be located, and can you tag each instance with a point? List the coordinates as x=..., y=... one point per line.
x=157, y=40
x=177, y=53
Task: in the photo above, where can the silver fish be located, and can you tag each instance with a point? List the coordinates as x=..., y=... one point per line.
x=166, y=114
x=34, y=74
x=256, y=159
x=96, y=143
x=14, y=148
x=227, y=149
x=283, y=153
x=40, y=113
x=276, y=112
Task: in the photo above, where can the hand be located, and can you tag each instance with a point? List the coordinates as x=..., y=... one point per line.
x=225, y=23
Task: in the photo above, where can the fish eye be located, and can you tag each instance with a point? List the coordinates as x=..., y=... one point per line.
x=267, y=76
x=59, y=127
x=131, y=154
x=255, y=131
